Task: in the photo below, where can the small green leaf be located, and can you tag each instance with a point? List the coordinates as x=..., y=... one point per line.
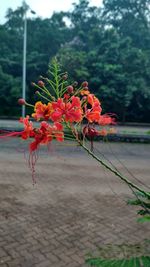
x=144, y=219
x=134, y=202
x=143, y=212
x=145, y=261
x=132, y=262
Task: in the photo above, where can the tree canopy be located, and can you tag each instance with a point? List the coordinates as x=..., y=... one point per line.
x=109, y=46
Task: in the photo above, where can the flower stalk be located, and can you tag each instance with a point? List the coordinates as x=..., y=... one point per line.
x=114, y=171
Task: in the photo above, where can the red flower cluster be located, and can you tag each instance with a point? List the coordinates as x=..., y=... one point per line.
x=42, y=135
x=60, y=110
x=64, y=111
x=42, y=111
x=93, y=113
x=70, y=106
x=74, y=106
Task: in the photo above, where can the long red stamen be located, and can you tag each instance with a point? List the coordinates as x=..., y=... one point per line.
x=6, y=133
x=33, y=157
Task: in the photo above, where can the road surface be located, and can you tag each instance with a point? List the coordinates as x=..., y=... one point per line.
x=75, y=207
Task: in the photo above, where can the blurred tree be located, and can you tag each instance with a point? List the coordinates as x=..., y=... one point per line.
x=9, y=94
x=129, y=18
x=44, y=38
x=109, y=46
x=113, y=55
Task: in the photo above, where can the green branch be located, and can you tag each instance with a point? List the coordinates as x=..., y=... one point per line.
x=118, y=174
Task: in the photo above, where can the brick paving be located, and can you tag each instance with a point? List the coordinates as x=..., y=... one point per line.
x=75, y=207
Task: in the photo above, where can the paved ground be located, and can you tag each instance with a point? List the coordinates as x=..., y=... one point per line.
x=75, y=207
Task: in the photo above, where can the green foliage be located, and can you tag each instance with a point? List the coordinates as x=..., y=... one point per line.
x=143, y=202
x=116, y=62
x=144, y=219
x=10, y=87
x=71, y=58
x=132, y=262
x=123, y=255
x=109, y=46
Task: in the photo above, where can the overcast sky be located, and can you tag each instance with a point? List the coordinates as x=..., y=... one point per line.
x=43, y=8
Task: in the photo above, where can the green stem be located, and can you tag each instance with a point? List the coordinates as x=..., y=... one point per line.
x=44, y=90
x=116, y=172
x=123, y=178
x=56, y=76
x=29, y=105
x=52, y=86
x=48, y=93
x=43, y=97
x=61, y=90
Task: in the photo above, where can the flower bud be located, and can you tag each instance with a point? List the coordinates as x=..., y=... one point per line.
x=33, y=84
x=70, y=89
x=21, y=101
x=90, y=132
x=41, y=83
x=85, y=84
x=37, y=92
x=65, y=77
x=75, y=84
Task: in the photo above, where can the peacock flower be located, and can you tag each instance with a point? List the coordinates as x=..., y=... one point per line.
x=93, y=100
x=46, y=133
x=42, y=111
x=93, y=114
x=28, y=128
x=106, y=120
x=70, y=111
x=84, y=92
x=58, y=131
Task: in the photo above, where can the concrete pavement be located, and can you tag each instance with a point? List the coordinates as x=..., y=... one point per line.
x=75, y=207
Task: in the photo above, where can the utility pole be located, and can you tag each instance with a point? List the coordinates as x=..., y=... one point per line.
x=24, y=65
x=24, y=62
